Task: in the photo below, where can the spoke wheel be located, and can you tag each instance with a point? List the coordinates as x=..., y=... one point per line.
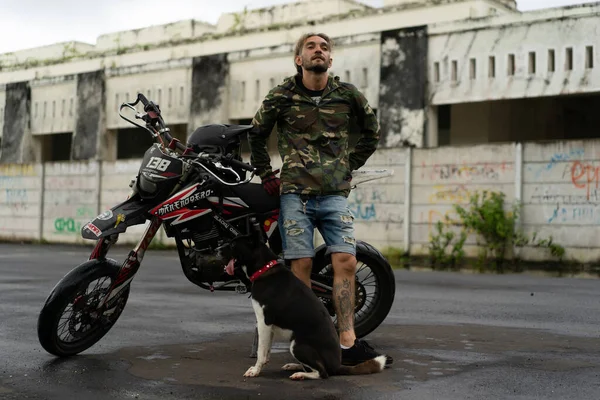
x=70, y=321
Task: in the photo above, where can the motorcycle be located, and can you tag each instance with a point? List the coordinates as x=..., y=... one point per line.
x=201, y=195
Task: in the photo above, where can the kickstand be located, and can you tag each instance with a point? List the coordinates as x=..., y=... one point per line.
x=254, y=344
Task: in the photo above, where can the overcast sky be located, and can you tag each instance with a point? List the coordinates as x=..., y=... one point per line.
x=31, y=23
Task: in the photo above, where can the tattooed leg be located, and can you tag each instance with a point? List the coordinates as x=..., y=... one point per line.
x=344, y=268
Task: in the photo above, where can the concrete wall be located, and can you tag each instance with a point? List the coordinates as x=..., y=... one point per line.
x=557, y=183
x=53, y=105
x=2, y=108
x=561, y=195
x=20, y=201
x=153, y=34
x=520, y=45
x=379, y=206
x=489, y=7
x=394, y=55
x=369, y=22
x=90, y=124
x=446, y=176
x=54, y=51
x=403, y=85
x=161, y=42
x=70, y=199
x=167, y=84
x=293, y=12
x=209, y=94
x=16, y=131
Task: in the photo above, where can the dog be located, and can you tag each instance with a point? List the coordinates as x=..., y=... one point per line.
x=283, y=303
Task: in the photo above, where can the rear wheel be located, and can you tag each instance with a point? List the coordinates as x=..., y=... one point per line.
x=70, y=321
x=375, y=288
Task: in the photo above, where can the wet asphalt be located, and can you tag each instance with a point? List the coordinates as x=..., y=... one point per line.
x=453, y=336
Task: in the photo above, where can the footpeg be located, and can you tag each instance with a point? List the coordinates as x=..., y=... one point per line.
x=241, y=289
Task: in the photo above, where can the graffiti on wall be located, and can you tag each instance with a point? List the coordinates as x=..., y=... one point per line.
x=574, y=194
x=14, y=187
x=72, y=225
x=557, y=158
x=455, y=194
x=15, y=200
x=444, y=194
x=70, y=197
x=465, y=171
x=447, y=184
x=585, y=175
x=17, y=170
x=376, y=203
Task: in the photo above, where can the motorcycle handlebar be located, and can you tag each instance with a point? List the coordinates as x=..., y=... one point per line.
x=240, y=164
x=226, y=161
x=144, y=100
x=153, y=112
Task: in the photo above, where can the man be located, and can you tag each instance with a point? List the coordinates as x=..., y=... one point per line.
x=313, y=111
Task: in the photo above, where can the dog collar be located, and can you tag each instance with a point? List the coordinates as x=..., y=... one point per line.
x=264, y=269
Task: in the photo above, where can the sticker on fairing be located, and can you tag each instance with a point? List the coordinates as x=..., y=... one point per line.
x=94, y=229
x=106, y=215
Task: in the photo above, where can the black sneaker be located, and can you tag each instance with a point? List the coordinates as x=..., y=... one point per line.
x=360, y=352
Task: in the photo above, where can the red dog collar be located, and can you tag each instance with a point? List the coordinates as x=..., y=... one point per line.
x=264, y=269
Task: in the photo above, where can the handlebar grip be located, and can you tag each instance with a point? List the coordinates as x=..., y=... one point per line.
x=240, y=164
x=143, y=99
x=181, y=146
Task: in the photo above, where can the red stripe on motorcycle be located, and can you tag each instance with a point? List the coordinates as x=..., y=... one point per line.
x=175, y=198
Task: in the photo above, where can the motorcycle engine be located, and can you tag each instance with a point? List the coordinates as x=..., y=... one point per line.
x=210, y=266
x=206, y=263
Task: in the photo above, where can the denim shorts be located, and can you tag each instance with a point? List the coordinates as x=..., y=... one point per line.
x=299, y=216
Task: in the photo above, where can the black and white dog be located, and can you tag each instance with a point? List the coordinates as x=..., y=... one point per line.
x=282, y=302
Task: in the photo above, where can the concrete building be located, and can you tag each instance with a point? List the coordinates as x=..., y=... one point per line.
x=472, y=95
x=438, y=72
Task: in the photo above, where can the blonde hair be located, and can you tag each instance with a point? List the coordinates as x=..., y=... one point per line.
x=300, y=45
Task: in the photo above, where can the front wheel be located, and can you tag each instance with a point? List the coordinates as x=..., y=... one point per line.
x=375, y=288
x=70, y=321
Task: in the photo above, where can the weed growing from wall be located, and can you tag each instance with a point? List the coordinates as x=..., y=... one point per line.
x=397, y=257
x=495, y=229
x=446, y=247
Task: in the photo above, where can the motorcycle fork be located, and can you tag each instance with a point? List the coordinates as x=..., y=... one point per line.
x=131, y=264
x=102, y=247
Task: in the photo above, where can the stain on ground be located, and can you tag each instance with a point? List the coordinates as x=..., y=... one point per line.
x=421, y=353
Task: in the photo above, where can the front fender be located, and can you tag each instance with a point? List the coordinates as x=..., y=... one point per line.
x=132, y=211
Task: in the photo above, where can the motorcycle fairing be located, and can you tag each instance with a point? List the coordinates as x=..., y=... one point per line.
x=187, y=204
x=256, y=197
x=116, y=220
x=158, y=174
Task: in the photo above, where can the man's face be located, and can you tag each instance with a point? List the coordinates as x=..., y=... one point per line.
x=315, y=56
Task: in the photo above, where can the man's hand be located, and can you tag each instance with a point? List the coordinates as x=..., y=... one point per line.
x=271, y=183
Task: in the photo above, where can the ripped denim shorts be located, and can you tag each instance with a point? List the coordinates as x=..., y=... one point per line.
x=300, y=215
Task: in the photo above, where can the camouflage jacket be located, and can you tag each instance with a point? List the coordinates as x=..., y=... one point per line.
x=313, y=137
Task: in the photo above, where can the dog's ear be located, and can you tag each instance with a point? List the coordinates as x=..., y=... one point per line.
x=241, y=245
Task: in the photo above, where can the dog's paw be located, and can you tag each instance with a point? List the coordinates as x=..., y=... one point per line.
x=252, y=372
x=292, y=367
x=298, y=376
